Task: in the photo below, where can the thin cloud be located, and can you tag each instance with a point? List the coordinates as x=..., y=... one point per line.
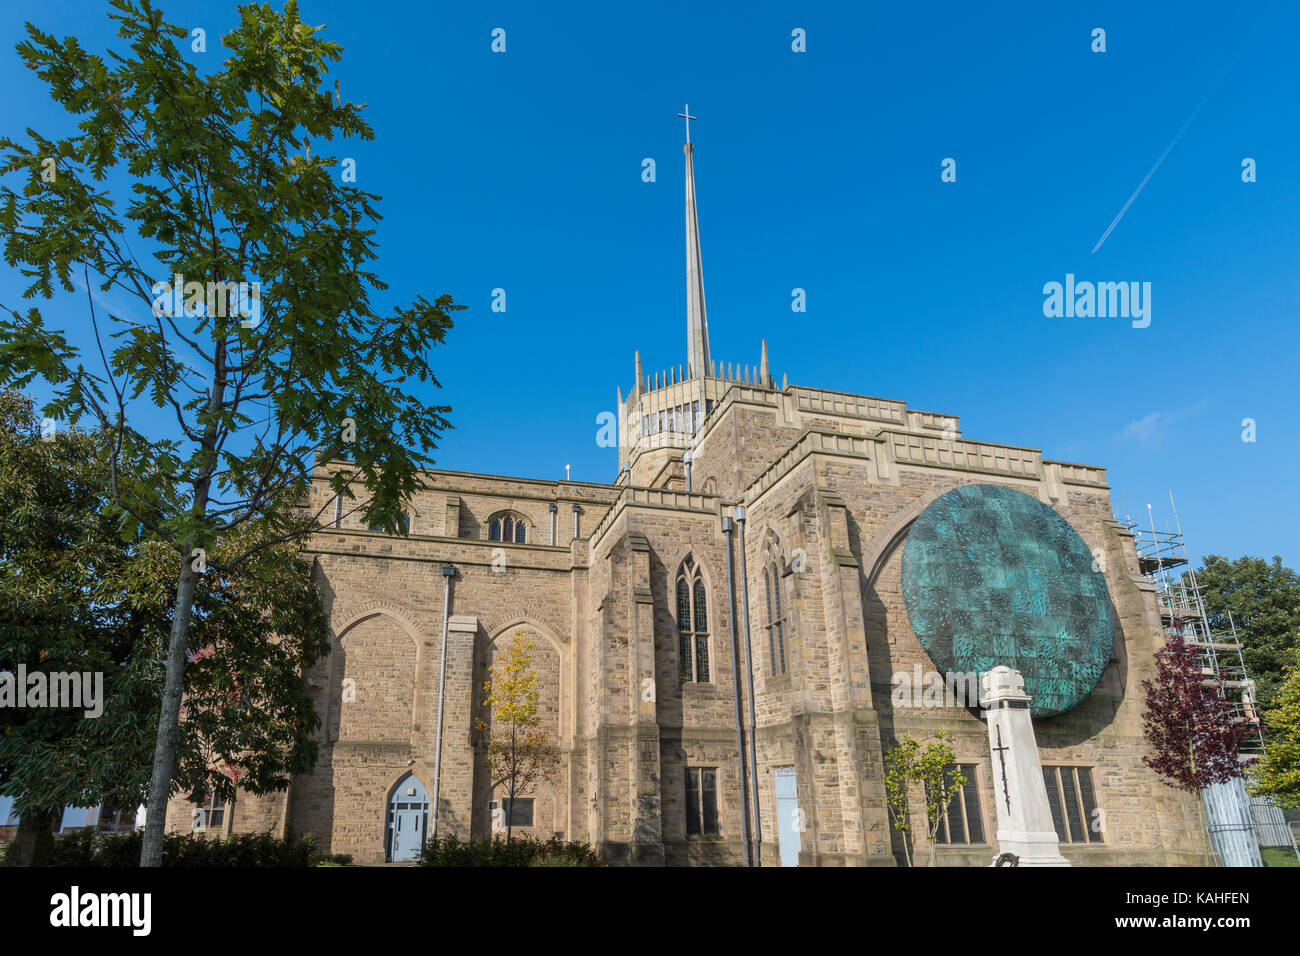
x=1152, y=429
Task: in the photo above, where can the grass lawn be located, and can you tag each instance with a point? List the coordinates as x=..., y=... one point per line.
x=1278, y=856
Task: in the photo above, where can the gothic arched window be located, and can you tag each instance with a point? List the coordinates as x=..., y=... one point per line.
x=692, y=624
x=775, y=615
x=507, y=526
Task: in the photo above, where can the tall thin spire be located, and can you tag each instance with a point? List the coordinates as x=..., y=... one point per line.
x=697, y=322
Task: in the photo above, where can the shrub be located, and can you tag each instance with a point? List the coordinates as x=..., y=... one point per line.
x=4, y=854
x=86, y=847
x=331, y=859
x=521, y=851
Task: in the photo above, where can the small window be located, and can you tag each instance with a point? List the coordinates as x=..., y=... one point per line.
x=116, y=821
x=1074, y=804
x=701, y=801
x=211, y=812
x=403, y=521
x=518, y=812
x=962, y=821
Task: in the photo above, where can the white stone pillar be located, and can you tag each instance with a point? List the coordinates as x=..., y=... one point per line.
x=1024, y=816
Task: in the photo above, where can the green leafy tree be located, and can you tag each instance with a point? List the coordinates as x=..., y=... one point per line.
x=57, y=550
x=1277, y=775
x=939, y=778
x=932, y=770
x=519, y=748
x=74, y=597
x=1263, y=600
x=900, y=772
x=266, y=352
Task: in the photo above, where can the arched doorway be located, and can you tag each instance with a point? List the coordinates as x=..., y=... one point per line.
x=408, y=819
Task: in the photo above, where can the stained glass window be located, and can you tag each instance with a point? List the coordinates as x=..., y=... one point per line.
x=684, y=628
x=775, y=618
x=507, y=527
x=692, y=624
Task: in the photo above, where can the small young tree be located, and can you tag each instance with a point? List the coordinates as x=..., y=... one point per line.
x=900, y=772
x=519, y=748
x=941, y=778
x=1188, y=726
x=242, y=320
x=934, y=771
x=1278, y=774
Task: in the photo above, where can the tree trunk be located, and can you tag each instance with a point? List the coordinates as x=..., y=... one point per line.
x=1205, y=827
x=510, y=812
x=1199, y=797
x=164, y=756
x=34, y=840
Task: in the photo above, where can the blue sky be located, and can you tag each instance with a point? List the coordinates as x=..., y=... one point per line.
x=821, y=170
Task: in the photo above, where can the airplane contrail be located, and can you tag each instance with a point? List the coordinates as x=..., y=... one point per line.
x=1173, y=142
x=1147, y=178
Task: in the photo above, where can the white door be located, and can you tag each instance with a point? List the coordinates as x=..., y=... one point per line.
x=789, y=818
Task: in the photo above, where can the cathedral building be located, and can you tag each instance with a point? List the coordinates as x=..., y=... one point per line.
x=731, y=635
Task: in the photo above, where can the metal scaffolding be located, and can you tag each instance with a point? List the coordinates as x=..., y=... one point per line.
x=1239, y=824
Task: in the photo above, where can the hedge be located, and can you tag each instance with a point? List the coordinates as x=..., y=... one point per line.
x=521, y=851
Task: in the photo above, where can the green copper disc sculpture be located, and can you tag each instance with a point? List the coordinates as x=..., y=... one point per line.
x=993, y=576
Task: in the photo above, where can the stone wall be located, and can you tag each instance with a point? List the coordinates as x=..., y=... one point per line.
x=831, y=483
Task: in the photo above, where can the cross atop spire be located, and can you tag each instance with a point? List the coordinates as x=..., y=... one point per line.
x=688, y=117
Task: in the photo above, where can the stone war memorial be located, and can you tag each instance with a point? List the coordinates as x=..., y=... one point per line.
x=719, y=633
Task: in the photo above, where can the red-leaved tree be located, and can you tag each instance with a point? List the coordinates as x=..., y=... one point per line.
x=1188, y=725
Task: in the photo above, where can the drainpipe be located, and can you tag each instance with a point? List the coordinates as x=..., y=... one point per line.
x=448, y=572
x=687, y=458
x=735, y=682
x=749, y=667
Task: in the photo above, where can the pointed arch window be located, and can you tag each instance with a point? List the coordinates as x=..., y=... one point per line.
x=692, y=624
x=776, y=623
x=507, y=526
